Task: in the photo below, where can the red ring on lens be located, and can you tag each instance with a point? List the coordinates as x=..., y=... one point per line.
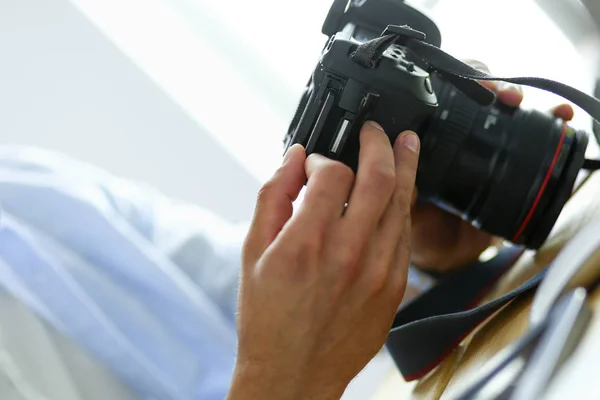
x=544, y=184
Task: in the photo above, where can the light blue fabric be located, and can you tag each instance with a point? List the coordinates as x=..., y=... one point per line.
x=145, y=283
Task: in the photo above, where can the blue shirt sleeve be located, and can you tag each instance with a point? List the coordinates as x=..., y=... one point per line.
x=143, y=282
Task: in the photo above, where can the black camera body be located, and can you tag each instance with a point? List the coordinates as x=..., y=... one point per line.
x=341, y=94
x=508, y=171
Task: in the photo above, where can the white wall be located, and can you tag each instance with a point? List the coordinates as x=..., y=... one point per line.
x=65, y=87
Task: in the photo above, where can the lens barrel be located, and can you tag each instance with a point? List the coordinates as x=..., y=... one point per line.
x=507, y=170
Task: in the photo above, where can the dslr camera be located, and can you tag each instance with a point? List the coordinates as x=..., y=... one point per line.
x=508, y=171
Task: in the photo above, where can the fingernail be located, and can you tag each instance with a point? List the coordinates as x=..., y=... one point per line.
x=375, y=125
x=478, y=65
x=411, y=141
x=507, y=86
x=287, y=156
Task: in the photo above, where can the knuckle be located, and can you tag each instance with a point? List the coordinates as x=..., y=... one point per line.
x=402, y=202
x=379, y=279
x=338, y=171
x=266, y=190
x=308, y=246
x=298, y=259
x=321, y=192
x=383, y=177
x=348, y=259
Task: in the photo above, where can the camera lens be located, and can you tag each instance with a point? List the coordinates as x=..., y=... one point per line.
x=507, y=170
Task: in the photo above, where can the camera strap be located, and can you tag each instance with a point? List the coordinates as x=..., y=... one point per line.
x=595, y=164
x=429, y=328
x=465, y=77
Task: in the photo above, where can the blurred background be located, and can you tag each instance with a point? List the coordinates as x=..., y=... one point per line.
x=194, y=96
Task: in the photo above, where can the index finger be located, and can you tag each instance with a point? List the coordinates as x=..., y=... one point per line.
x=375, y=180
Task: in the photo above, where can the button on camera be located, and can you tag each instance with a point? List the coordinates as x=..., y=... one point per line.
x=428, y=86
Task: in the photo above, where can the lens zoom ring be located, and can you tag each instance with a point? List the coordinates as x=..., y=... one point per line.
x=451, y=130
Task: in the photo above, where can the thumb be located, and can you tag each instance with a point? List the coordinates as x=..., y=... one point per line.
x=274, y=204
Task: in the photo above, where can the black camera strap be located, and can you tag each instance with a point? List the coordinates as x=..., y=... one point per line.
x=595, y=164
x=596, y=122
x=465, y=77
x=428, y=329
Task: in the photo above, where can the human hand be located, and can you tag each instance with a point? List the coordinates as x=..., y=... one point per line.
x=319, y=289
x=442, y=241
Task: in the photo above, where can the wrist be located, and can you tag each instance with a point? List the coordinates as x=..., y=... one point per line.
x=256, y=380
